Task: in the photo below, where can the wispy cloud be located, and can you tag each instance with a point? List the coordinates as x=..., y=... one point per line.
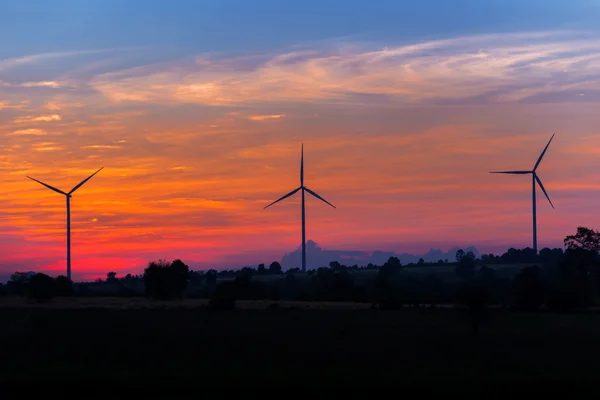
x=39, y=118
x=30, y=131
x=6, y=105
x=46, y=57
x=50, y=84
x=101, y=147
x=265, y=117
x=46, y=146
x=491, y=68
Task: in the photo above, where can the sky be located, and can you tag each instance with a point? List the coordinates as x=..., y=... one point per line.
x=197, y=111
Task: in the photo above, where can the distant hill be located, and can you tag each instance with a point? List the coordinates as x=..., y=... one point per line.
x=319, y=257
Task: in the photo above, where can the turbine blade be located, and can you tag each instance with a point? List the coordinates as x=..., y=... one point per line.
x=284, y=197
x=539, y=181
x=543, y=152
x=318, y=197
x=84, y=181
x=48, y=186
x=512, y=172
x=302, y=167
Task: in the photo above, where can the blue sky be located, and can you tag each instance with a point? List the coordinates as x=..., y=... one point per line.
x=30, y=27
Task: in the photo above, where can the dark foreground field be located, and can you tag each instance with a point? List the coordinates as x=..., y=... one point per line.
x=407, y=352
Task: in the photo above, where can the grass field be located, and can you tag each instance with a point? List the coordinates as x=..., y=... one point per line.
x=107, y=342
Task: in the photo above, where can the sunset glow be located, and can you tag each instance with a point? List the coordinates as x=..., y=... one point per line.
x=398, y=134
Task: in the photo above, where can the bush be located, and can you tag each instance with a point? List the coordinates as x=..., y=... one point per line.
x=41, y=288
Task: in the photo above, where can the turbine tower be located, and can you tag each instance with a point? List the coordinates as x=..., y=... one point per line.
x=304, y=189
x=535, y=179
x=68, y=196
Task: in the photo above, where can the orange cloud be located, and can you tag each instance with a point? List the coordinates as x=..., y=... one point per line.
x=265, y=117
x=31, y=131
x=102, y=147
x=40, y=118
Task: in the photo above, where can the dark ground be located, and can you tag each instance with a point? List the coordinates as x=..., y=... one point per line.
x=405, y=352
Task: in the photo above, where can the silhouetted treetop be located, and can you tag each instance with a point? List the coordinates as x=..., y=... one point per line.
x=585, y=239
x=275, y=268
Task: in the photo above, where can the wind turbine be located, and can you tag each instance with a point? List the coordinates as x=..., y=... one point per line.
x=303, y=189
x=68, y=196
x=535, y=179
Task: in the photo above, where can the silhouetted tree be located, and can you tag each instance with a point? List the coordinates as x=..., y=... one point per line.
x=330, y=285
x=275, y=268
x=530, y=288
x=421, y=261
x=579, y=271
x=460, y=253
x=246, y=273
x=391, y=267
x=465, y=268
x=111, y=277
x=585, y=239
x=211, y=277
x=261, y=270
x=164, y=280
x=387, y=293
x=41, y=287
x=18, y=283
x=514, y=256
x=551, y=258
x=63, y=286
x=196, y=277
x=335, y=265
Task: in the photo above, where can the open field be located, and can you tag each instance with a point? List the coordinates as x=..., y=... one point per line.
x=324, y=346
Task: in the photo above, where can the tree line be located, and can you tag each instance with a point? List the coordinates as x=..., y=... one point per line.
x=556, y=278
